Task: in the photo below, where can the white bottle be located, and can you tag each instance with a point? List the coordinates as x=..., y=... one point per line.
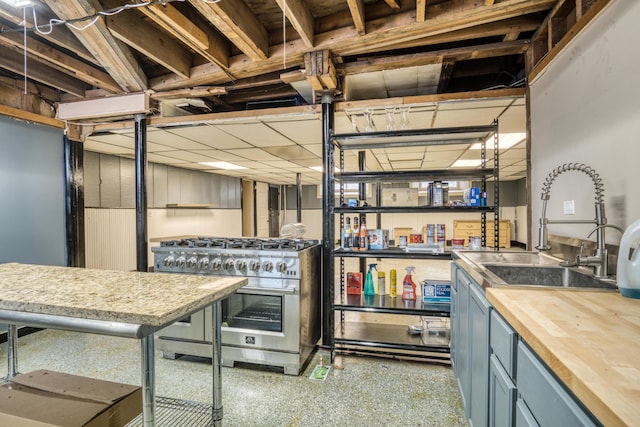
x=628, y=271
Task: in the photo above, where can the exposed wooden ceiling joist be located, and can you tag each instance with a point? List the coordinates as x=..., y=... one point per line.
x=356, y=7
x=300, y=18
x=206, y=43
x=56, y=59
x=234, y=19
x=114, y=56
x=12, y=60
x=146, y=39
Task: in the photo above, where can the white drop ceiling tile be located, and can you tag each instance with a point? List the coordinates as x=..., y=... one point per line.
x=107, y=148
x=172, y=140
x=284, y=164
x=443, y=156
x=218, y=155
x=250, y=164
x=341, y=122
x=448, y=147
x=436, y=164
x=210, y=136
x=316, y=149
x=290, y=152
x=300, y=131
x=404, y=156
x=253, y=154
x=185, y=155
x=514, y=119
x=256, y=134
x=113, y=139
x=159, y=158
x=406, y=164
x=470, y=117
x=365, y=86
x=417, y=119
x=514, y=154
x=152, y=147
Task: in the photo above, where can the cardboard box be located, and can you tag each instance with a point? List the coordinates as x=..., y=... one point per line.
x=436, y=291
x=46, y=398
x=402, y=232
x=354, y=283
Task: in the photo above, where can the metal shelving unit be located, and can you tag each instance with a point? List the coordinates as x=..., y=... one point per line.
x=371, y=337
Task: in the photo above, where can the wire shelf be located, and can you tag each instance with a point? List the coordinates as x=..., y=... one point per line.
x=179, y=413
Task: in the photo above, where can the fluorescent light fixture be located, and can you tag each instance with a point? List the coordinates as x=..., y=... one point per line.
x=469, y=163
x=18, y=3
x=222, y=165
x=505, y=140
x=107, y=106
x=321, y=169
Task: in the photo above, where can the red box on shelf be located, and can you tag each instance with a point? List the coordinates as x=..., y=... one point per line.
x=354, y=283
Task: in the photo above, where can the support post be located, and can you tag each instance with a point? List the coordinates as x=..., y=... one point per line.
x=141, y=192
x=328, y=202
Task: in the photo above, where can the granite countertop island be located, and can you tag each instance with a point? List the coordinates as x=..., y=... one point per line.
x=150, y=299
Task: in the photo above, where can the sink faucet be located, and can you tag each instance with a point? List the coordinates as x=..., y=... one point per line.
x=599, y=260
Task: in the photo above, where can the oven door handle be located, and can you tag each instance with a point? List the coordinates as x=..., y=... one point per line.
x=268, y=291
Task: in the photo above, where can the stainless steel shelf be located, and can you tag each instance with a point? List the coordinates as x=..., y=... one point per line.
x=416, y=175
x=386, y=304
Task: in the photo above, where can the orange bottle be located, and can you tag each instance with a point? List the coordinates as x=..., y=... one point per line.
x=408, y=286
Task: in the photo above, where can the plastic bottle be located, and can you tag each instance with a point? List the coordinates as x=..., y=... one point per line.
x=628, y=272
x=369, y=289
x=381, y=284
x=345, y=242
x=408, y=287
x=355, y=235
x=392, y=283
x=363, y=242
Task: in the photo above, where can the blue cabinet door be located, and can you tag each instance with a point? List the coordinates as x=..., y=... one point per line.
x=502, y=394
x=479, y=322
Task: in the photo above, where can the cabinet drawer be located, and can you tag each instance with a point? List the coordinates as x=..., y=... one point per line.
x=503, y=342
x=524, y=418
x=548, y=401
x=502, y=395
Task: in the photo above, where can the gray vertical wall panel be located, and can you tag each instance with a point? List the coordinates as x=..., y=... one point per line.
x=173, y=185
x=160, y=185
x=32, y=190
x=127, y=183
x=215, y=190
x=91, y=179
x=109, y=181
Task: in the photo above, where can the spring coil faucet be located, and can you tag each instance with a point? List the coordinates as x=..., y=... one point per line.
x=600, y=259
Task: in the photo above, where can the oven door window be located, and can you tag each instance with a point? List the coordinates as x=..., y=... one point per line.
x=251, y=311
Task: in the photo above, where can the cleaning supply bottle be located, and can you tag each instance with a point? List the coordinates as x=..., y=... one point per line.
x=355, y=235
x=381, y=284
x=392, y=283
x=345, y=242
x=408, y=287
x=363, y=243
x=369, y=289
x=628, y=271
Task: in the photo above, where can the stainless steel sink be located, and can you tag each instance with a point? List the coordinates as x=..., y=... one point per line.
x=547, y=275
x=520, y=257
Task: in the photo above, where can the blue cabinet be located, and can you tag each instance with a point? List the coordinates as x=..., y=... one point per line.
x=502, y=395
x=470, y=345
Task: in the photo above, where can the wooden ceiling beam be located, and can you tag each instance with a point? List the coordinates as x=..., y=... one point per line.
x=393, y=4
x=236, y=21
x=156, y=45
x=417, y=59
x=206, y=43
x=56, y=59
x=300, y=18
x=113, y=55
x=421, y=10
x=12, y=60
x=356, y=7
x=343, y=41
x=61, y=36
x=192, y=92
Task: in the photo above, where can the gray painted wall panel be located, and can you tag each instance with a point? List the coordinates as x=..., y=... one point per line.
x=91, y=178
x=110, y=181
x=32, y=190
x=127, y=183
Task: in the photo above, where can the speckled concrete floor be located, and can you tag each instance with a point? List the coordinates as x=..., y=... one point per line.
x=359, y=391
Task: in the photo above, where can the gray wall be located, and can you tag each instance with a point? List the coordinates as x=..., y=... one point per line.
x=32, y=191
x=110, y=183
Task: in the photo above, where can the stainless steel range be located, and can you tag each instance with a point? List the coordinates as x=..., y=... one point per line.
x=274, y=320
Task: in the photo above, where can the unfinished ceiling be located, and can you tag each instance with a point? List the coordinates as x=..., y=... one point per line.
x=206, y=60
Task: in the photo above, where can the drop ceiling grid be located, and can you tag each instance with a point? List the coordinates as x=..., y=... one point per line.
x=210, y=136
x=256, y=134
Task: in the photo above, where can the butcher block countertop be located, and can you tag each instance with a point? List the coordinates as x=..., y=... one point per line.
x=590, y=339
x=152, y=299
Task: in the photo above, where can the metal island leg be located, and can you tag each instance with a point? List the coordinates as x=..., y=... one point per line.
x=216, y=342
x=148, y=382
x=12, y=351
